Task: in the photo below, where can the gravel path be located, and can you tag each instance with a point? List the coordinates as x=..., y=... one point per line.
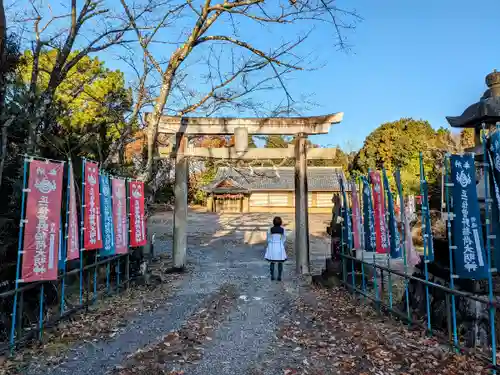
x=220, y=250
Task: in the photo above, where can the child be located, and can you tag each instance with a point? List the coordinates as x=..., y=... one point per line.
x=275, y=251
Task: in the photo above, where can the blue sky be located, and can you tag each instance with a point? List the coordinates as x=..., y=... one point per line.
x=423, y=59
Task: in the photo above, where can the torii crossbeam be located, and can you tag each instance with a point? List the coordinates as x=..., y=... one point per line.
x=300, y=127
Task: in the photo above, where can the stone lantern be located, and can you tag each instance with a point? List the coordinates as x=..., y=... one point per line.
x=485, y=112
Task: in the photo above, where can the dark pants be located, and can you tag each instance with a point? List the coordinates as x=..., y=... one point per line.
x=280, y=270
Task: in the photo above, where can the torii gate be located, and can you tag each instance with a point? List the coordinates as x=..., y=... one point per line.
x=300, y=127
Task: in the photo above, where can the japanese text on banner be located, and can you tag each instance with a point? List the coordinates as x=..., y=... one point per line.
x=467, y=234
x=394, y=238
x=108, y=247
x=368, y=217
x=120, y=215
x=92, y=218
x=137, y=220
x=73, y=250
x=356, y=217
x=494, y=160
x=43, y=217
x=347, y=216
x=429, y=252
x=380, y=225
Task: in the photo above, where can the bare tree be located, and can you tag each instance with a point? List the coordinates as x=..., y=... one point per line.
x=73, y=34
x=142, y=98
x=234, y=66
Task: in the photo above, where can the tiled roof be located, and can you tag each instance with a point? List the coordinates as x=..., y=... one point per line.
x=268, y=178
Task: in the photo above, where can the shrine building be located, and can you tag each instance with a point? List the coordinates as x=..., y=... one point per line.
x=268, y=189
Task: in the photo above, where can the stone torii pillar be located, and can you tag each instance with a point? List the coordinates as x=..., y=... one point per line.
x=181, y=203
x=301, y=207
x=299, y=127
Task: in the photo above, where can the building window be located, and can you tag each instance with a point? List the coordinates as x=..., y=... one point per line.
x=259, y=199
x=278, y=199
x=324, y=199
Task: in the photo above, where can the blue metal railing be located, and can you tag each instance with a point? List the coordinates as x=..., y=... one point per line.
x=451, y=294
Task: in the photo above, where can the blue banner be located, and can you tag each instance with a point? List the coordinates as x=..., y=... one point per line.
x=368, y=217
x=470, y=258
x=108, y=243
x=427, y=218
x=347, y=227
x=494, y=161
x=62, y=249
x=394, y=240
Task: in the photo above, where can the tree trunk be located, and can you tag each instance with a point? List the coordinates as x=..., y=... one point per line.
x=3, y=155
x=154, y=120
x=4, y=123
x=3, y=28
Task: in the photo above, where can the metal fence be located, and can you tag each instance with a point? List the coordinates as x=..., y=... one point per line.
x=29, y=306
x=26, y=311
x=459, y=312
x=381, y=285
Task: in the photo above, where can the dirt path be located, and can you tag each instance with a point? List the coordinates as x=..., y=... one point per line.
x=225, y=316
x=221, y=250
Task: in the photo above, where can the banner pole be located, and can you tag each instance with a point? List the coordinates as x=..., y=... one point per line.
x=108, y=271
x=388, y=233
x=68, y=187
x=127, y=259
x=403, y=219
x=82, y=229
x=450, y=249
x=361, y=236
x=19, y=251
x=96, y=256
x=118, y=273
x=487, y=201
x=344, y=265
x=349, y=242
x=348, y=231
x=362, y=232
x=118, y=259
x=62, y=252
x=424, y=235
x=40, y=318
x=108, y=266
x=372, y=217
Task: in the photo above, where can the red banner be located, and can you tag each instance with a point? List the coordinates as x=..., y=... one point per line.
x=92, y=238
x=73, y=246
x=382, y=235
x=137, y=222
x=120, y=215
x=43, y=216
x=356, y=217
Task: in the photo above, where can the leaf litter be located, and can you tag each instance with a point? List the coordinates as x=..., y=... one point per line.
x=94, y=324
x=327, y=331
x=178, y=350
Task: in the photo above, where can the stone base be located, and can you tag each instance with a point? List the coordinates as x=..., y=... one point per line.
x=472, y=317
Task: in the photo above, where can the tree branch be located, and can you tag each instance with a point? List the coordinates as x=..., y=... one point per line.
x=248, y=47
